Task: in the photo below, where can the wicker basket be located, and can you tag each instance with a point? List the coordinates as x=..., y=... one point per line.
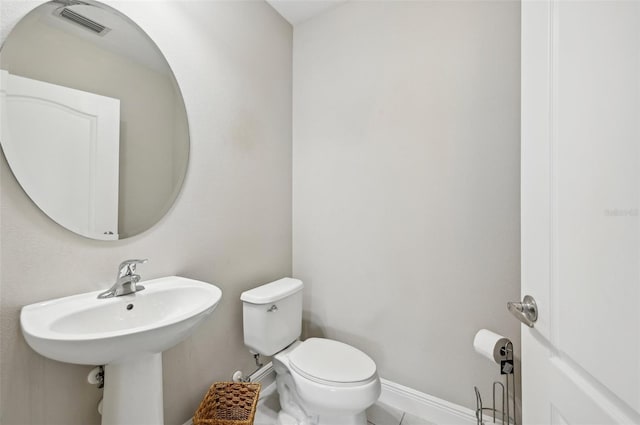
x=228, y=403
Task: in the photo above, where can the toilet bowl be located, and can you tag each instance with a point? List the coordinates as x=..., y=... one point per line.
x=319, y=381
x=333, y=382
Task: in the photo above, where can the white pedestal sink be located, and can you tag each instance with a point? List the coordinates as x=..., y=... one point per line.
x=127, y=334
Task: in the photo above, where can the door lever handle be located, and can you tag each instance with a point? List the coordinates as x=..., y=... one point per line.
x=525, y=311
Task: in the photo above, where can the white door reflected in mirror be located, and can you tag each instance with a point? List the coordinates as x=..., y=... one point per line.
x=68, y=162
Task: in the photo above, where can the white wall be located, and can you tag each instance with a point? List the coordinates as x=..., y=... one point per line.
x=406, y=183
x=231, y=224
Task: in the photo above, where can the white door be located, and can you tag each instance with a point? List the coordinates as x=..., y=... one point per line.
x=63, y=147
x=580, y=224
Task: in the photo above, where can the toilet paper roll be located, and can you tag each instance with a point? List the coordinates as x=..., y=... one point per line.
x=489, y=344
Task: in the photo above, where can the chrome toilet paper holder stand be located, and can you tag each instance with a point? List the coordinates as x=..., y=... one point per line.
x=504, y=414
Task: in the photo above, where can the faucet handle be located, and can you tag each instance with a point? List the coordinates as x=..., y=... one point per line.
x=128, y=267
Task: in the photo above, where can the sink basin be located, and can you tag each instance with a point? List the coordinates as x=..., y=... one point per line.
x=127, y=334
x=83, y=329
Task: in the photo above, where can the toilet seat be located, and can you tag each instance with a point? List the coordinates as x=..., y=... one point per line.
x=331, y=362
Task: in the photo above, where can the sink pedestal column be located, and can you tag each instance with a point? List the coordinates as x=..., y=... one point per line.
x=133, y=391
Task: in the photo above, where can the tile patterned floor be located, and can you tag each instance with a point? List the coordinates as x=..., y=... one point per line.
x=378, y=414
x=382, y=414
x=268, y=407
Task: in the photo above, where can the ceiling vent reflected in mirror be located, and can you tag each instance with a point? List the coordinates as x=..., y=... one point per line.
x=82, y=20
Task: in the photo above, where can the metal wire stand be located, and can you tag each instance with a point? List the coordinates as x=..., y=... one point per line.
x=504, y=414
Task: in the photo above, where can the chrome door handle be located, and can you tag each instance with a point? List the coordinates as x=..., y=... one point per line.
x=526, y=311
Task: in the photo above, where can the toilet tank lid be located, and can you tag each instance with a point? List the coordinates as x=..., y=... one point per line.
x=272, y=292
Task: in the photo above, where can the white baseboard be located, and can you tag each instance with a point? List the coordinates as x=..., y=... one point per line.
x=426, y=406
x=416, y=403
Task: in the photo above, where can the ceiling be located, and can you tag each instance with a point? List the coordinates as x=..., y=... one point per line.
x=297, y=11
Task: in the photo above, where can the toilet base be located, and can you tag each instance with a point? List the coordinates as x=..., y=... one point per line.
x=293, y=412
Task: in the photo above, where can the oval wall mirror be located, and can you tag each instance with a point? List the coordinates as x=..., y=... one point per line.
x=93, y=124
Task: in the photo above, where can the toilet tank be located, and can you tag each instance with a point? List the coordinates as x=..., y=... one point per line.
x=272, y=315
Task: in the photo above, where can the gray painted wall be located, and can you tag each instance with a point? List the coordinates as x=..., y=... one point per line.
x=406, y=184
x=231, y=225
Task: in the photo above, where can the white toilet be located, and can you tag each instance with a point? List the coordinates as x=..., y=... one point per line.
x=320, y=381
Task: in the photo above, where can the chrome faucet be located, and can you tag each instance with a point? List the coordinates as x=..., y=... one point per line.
x=126, y=280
